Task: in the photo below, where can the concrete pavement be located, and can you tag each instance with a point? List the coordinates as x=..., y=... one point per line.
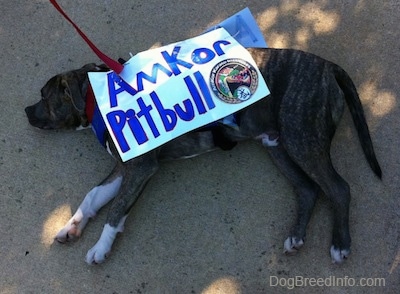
x=216, y=223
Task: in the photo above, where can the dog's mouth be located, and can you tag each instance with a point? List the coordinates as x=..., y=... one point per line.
x=35, y=121
x=45, y=122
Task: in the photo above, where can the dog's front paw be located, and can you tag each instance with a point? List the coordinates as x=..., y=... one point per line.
x=98, y=253
x=339, y=255
x=73, y=229
x=292, y=245
x=69, y=232
x=102, y=249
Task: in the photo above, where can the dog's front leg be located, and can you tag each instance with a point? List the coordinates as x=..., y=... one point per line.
x=137, y=172
x=94, y=200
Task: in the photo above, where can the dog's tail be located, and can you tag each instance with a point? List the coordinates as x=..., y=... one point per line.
x=357, y=113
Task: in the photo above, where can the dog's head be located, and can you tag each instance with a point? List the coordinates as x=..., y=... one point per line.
x=63, y=101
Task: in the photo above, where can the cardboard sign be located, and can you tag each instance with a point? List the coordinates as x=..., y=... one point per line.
x=244, y=28
x=166, y=92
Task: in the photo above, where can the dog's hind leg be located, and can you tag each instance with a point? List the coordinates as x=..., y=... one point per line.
x=306, y=191
x=93, y=201
x=136, y=173
x=338, y=192
x=318, y=166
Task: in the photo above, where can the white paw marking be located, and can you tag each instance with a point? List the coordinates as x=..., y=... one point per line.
x=292, y=245
x=80, y=128
x=267, y=140
x=94, y=200
x=73, y=229
x=338, y=256
x=100, y=251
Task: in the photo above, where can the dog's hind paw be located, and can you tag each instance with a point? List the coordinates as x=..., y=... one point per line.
x=292, y=245
x=269, y=140
x=339, y=255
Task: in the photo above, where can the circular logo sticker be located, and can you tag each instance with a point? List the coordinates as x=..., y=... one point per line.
x=234, y=80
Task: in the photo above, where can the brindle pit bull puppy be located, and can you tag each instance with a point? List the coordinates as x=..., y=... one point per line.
x=307, y=99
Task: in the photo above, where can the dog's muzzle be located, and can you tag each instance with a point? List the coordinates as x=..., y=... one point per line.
x=33, y=114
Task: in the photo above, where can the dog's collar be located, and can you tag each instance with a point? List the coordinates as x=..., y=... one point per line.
x=94, y=116
x=89, y=104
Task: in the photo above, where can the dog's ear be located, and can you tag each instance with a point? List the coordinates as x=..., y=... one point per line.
x=82, y=76
x=73, y=91
x=75, y=85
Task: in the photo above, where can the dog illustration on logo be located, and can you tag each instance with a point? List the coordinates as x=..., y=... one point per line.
x=234, y=81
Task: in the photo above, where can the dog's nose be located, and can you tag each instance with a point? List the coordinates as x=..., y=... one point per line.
x=30, y=111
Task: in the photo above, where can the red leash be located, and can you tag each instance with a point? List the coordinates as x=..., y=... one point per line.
x=111, y=63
